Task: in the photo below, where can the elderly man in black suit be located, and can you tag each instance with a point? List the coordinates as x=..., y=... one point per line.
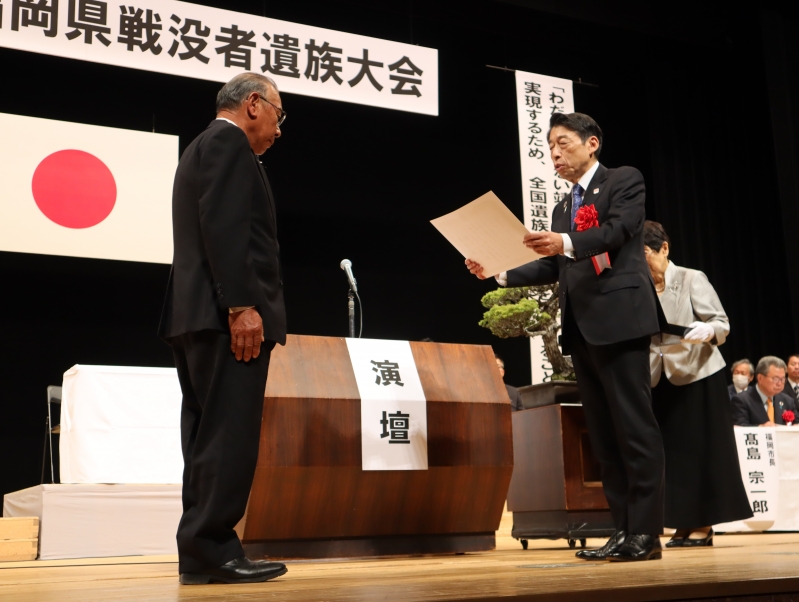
x=764, y=404
x=222, y=315
x=609, y=314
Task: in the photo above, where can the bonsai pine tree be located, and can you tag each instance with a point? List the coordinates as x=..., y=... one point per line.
x=529, y=311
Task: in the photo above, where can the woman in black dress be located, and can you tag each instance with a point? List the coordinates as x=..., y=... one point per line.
x=690, y=401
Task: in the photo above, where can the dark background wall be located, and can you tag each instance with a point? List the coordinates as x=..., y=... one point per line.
x=702, y=101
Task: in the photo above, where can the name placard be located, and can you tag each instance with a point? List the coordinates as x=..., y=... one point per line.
x=757, y=455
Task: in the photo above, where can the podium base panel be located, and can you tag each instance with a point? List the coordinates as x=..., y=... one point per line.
x=562, y=524
x=399, y=545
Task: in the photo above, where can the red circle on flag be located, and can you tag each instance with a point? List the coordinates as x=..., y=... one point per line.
x=74, y=189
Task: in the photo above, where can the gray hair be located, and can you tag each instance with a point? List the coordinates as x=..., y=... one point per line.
x=747, y=362
x=240, y=87
x=767, y=362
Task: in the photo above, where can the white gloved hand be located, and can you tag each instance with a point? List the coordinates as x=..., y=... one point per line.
x=699, y=333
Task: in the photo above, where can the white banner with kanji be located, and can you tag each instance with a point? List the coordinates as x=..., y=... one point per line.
x=757, y=455
x=537, y=98
x=208, y=43
x=393, y=405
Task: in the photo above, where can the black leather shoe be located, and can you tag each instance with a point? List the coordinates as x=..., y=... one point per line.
x=638, y=547
x=675, y=542
x=239, y=570
x=698, y=543
x=613, y=544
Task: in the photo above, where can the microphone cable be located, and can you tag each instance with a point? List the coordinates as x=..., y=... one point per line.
x=360, y=313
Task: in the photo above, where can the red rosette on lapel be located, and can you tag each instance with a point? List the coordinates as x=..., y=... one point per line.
x=585, y=218
x=788, y=417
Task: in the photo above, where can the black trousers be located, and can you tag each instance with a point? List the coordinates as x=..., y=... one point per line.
x=220, y=425
x=614, y=384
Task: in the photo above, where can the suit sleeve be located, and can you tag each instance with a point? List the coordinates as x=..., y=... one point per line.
x=227, y=182
x=740, y=412
x=625, y=217
x=515, y=398
x=707, y=307
x=519, y=402
x=538, y=272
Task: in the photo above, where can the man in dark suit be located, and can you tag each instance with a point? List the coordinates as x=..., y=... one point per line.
x=764, y=404
x=222, y=315
x=513, y=392
x=609, y=316
x=792, y=377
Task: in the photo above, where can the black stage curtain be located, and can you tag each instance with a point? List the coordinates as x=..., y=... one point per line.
x=781, y=57
x=724, y=181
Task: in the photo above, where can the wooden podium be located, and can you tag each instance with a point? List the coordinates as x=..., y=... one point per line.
x=311, y=499
x=556, y=491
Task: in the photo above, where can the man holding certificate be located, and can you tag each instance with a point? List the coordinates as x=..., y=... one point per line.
x=609, y=311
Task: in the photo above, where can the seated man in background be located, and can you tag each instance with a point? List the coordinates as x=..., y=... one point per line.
x=742, y=374
x=513, y=392
x=764, y=404
x=792, y=382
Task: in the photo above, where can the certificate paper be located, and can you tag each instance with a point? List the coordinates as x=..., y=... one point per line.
x=487, y=232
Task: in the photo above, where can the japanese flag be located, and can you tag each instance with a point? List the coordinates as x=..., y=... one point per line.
x=85, y=191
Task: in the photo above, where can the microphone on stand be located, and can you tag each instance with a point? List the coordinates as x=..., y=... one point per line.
x=346, y=265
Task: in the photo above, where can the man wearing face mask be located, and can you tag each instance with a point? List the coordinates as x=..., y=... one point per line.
x=742, y=374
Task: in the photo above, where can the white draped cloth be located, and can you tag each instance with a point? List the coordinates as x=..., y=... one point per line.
x=120, y=424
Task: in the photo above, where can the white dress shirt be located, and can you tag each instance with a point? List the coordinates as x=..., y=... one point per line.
x=792, y=384
x=568, y=247
x=763, y=398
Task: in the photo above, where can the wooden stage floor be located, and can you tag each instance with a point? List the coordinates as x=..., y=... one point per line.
x=752, y=566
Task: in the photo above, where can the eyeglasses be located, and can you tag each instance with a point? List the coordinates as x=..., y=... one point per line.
x=777, y=380
x=281, y=114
